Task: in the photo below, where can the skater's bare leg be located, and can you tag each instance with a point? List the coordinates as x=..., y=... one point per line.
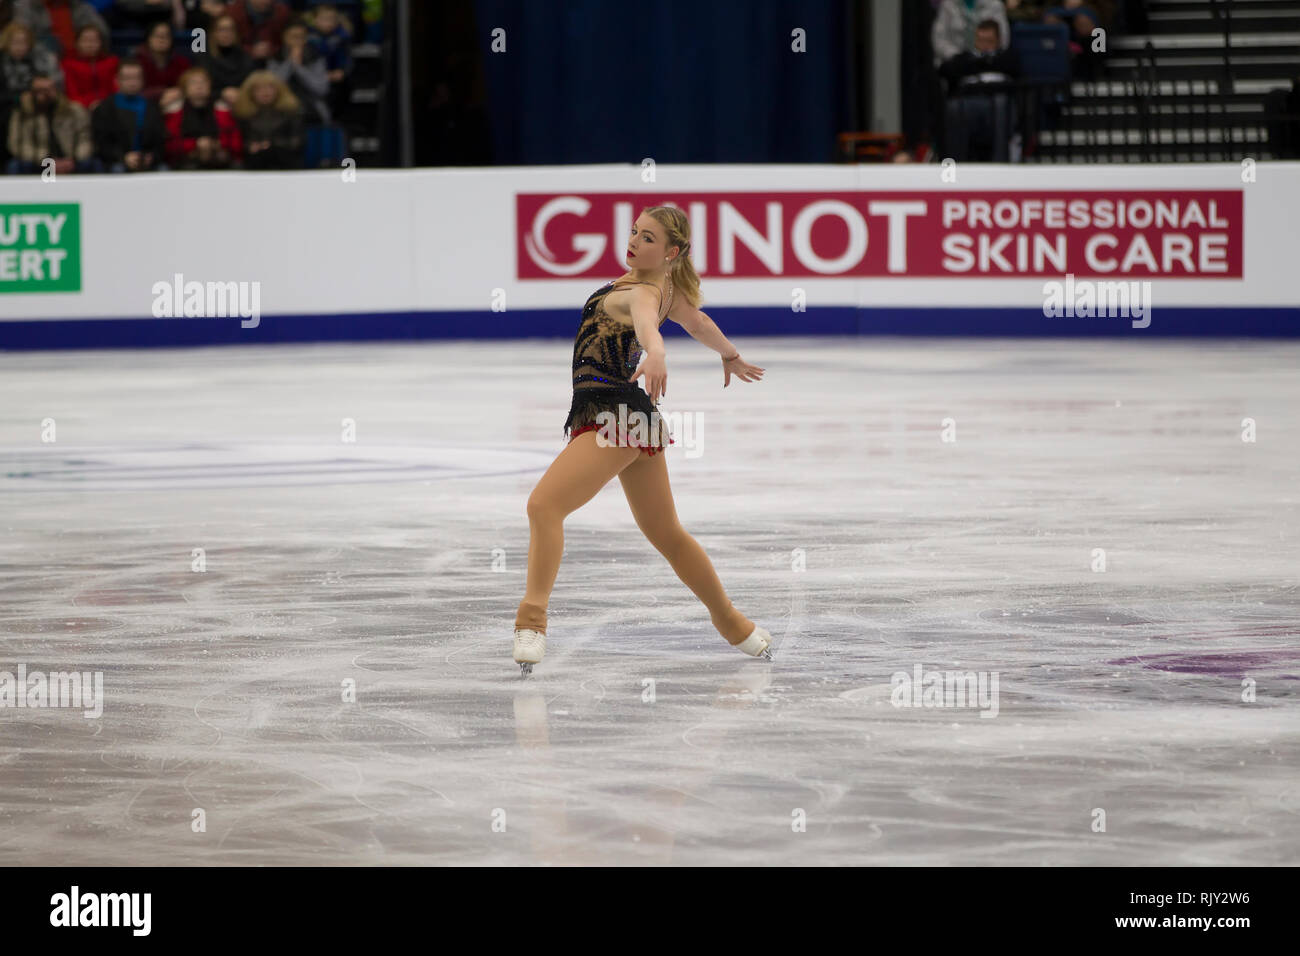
x=645, y=483
x=580, y=470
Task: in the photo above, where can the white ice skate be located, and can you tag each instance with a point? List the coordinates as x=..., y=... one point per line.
x=758, y=644
x=530, y=646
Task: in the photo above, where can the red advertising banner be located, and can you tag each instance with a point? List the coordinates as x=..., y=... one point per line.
x=1133, y=233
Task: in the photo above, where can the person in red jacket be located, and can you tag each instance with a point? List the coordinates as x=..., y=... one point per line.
x=163, y=66
x=260, y=24
x=89, y=76
x=202, y=134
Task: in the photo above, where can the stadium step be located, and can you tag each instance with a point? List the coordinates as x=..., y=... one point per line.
x=1181, y=90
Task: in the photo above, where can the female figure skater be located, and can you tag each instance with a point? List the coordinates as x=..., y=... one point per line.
x=620, y=325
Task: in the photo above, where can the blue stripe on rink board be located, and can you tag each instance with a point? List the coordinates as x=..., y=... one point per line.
x=563, y=323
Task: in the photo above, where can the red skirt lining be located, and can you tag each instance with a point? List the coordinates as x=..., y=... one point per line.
x=648, y=449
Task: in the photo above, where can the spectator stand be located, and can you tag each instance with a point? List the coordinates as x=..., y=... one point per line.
x=1205, y=81
x=357, y=129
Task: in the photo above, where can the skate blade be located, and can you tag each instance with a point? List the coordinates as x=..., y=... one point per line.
x=525, y=670
x=766, y=653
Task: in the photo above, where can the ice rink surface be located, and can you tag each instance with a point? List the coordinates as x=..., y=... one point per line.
x=1089, y=526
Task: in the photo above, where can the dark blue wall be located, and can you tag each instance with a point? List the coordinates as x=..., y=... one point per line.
x=681, y=81
x=1168, y=322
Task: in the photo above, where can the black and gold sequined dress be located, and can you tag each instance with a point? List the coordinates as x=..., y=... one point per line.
x=605, y=354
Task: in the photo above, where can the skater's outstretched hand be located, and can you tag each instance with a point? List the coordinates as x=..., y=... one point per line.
x=655, y=369
x=738, y=367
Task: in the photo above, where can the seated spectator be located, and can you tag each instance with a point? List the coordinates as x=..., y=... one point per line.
x=88, y=75
x=128, y=126
x=57, y=22
x=979, y=111
x=953, y=31
x=985, y=62
x=47, y=125
x=226, y=61
x=20, y=62
x=303, y=70
x=203, y=15
x=271, y=122
x=331, y=37
x=1083, y=16
x=202, y=134
x=261, y=23
x=162, y=66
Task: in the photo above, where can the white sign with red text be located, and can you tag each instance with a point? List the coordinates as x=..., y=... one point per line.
x=461, y=239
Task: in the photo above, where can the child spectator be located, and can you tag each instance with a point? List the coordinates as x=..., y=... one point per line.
x=57, y=22
x=162, y=66
x=270, y=118
x=128, y=126
x=226, y=61
x=261, y=24
x=90, y=76
x=202, y=134
x=47, y=125
x=21, y=60
x=331, y=37
x=303, y=70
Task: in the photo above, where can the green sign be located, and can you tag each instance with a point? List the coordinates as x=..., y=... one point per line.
x=40, y=247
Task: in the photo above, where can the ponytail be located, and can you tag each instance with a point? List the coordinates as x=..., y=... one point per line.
x=682, y=270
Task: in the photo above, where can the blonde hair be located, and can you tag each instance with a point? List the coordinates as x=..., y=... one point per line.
x=685, y=279
x=183, y=81
x=15, y=27
x=245, y=106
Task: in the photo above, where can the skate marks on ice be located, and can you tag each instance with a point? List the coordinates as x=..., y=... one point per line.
x=198, y=465
x=1120, y=690
x=626, y=812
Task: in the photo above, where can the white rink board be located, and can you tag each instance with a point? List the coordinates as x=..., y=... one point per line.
x=431, y=240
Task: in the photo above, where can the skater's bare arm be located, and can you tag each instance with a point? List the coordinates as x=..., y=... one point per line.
x=701, y=328
x=705, y=331
x=644, y=305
